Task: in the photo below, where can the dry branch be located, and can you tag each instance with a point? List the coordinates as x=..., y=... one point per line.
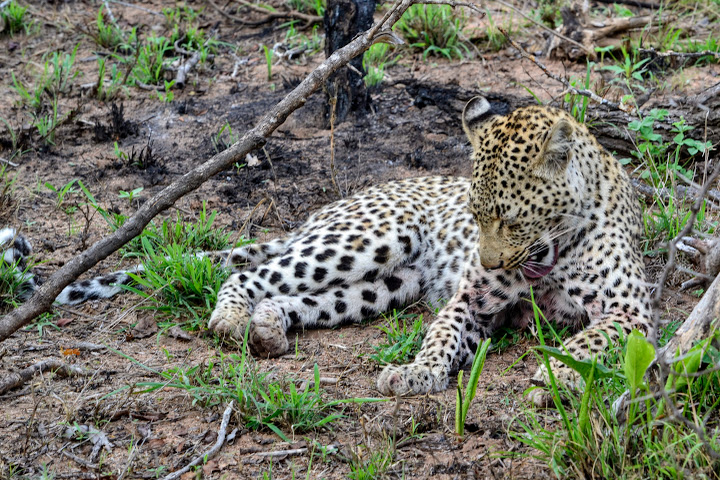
x=222, y=432
x=18, y=379
x=254, y=138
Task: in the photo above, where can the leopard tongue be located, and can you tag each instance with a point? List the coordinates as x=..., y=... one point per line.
x=539, y=271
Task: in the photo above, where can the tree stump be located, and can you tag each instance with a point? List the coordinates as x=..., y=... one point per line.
x=345, y=91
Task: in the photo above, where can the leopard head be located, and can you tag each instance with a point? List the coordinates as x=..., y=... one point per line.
x=526, y=185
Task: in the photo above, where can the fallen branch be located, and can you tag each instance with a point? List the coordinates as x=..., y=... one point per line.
x=270, y=16
x=655, y=54
x=282, y=453
x=254, y=138
x=205, y=457
x=184, y=69
x=15, y=380
x=677, y=192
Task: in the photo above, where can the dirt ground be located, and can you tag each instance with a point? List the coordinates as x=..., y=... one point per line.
x=413, y=130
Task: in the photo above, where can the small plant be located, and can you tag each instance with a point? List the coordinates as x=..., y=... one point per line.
x=268, y=61
x=130, y=196
x=46, y=320
x=179, y=285
x=462, y=403
x=168, y=96
x=578, y=104
x=107, y=35
x=630, y=71
x=310, y=44
x=180, y=15
x=402, y=342
x=14, y=285
x=13, y=17
x=496, y=39
x=224, y=138
x=150, y=65
x=107, y=90
x=63, y=193
x=434, y=30
x=583, y=437
x=367, y=464
x=196, y=236
x=375, y=60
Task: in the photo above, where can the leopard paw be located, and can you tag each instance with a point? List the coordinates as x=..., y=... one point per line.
x=267, y=336
x=229, y=321
x=411, y=379
x=564, y=376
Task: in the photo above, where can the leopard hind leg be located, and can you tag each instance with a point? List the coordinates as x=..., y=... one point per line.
x=343, y=304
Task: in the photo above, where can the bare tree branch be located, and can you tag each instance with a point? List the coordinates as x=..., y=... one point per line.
x=254, y=138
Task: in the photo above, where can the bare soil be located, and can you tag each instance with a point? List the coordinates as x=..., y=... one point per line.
x=413, y=130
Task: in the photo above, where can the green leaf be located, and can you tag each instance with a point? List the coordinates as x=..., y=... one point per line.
x=583, y=367
x=638, y=356
x=688, y=365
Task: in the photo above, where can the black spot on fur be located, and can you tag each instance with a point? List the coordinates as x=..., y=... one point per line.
x=320, y=274
x=392, y=283
x=369, y=296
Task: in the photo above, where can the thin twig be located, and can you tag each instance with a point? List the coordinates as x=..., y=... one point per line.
x=283, y=453
x=585, y=93
x=222, y=432
x=80, y=461
x=333, y=106
x=109, y=12
x=8, y=162
x=672, y=245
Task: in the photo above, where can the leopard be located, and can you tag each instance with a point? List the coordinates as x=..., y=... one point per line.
x=548, y=220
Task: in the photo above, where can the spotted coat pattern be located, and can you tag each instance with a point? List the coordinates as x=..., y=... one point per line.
x=548, y=214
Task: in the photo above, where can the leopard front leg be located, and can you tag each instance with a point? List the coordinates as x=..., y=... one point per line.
x=453, y=337
x=233, y=309
x=592, y=342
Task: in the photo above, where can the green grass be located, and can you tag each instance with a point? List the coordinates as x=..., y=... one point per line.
x=14, y=19
x=403, y=341
x=107, y=35
x=371, y=464
x=435, y=30
x=12, y=292
x=583, y=438
x=200, y=235
x=262, y=402
x=463, y=401
x=663, y=165
x=180, y=286
x=375, y=60
x=314, y=7
x=151, y=60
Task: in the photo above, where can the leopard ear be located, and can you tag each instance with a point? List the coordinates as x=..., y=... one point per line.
x=556, y=151
x=476, y=112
